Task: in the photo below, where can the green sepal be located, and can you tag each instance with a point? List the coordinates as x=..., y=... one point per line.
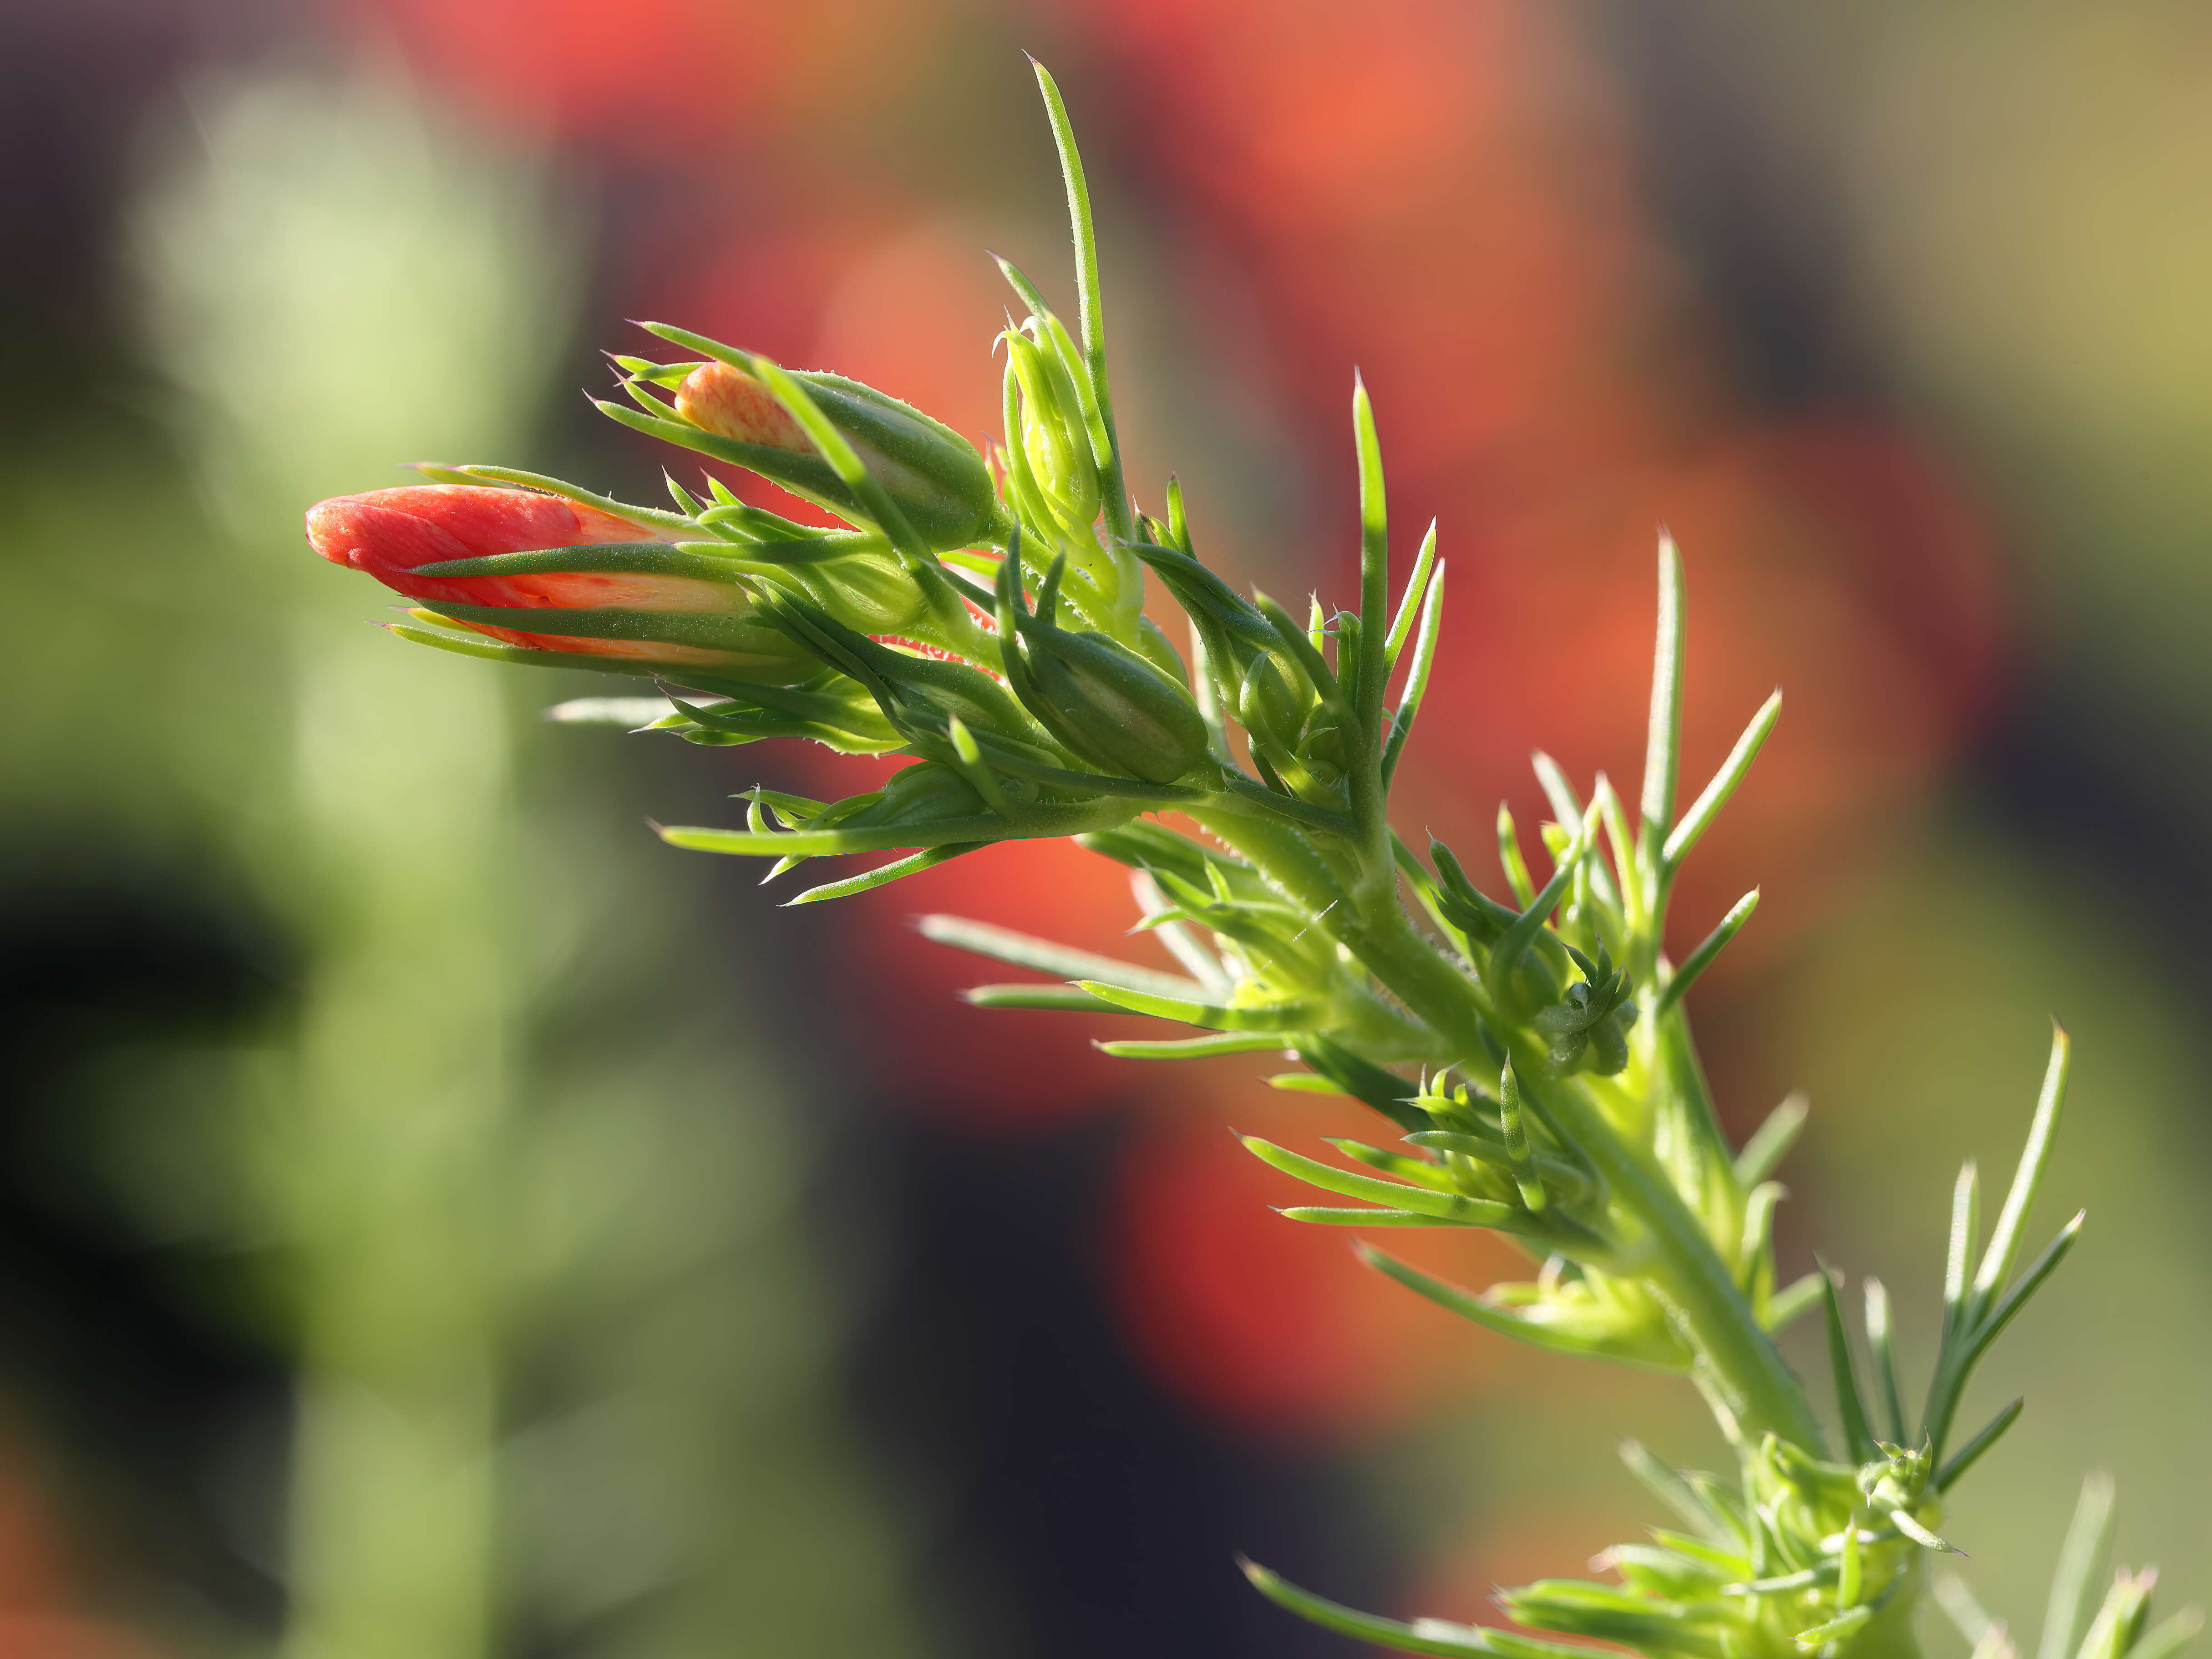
x=960, y=507
x=514, y=476
x=653, y=558
x=498, y=651
x=736, y=633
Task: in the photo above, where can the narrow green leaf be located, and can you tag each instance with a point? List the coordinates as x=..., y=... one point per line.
x=1228, y=1042
x=1516, y=939
x=1410, y=602
x=1398, y=1165
x=1966, y=1211
x=1771, y=1142
x=2080, y=1571
x=1903, y=1521
x=1567, y=808
x=1883, y=1354
x=1662, y=745
x=1566, y=805
x=1756, y=1258
x=2034, y=1157
x=1003, y=944
x=1469, y=1306
x=1511, y=861
x=1793, y=1301
x=1614, y=816
x=632, y=714
x=1347, y=1184
x=1374, y=651
x=1323, y=1216
x=1993, y=1323
x=1431, y=1635
x=1056, y=998
x=1417, y=676
x=1516, y=1140
x=1702, y=958
x=1836, y=1630
x=1707, y=807
x=1966, y=1455
x=1847, y=1572
x=1962, y=1607
x=1091, y=306
x=883, y=875
x=1378, y=1089
x=1040, y=821
x=1667, y=1486
x=1299, y=1016
x=1856, y=1438
x=2164, y=1640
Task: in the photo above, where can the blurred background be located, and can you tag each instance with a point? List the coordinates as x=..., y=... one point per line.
x=437, y=1221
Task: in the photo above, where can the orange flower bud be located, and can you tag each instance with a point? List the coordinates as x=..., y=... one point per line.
x=731, y=403
x=936, y=478
x=390, y=533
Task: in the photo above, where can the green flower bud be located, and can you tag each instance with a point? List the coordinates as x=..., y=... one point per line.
x=1268, y=708
x=1049, y=446
x=925, y=792
x=1109, y=705
x=869, y=593
x=935, y=476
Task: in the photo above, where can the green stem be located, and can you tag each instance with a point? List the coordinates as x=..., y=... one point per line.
x=1751, y=1386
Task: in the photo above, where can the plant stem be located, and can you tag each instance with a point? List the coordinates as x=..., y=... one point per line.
x=1752, y=1387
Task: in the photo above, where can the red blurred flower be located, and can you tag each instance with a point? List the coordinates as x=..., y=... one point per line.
x=390, y=533
x=1272, y=1324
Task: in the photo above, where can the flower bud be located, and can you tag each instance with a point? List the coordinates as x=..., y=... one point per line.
x=642, y=613
x=935, y=476
x=870, y=592
x=1045, y=423
x=1110, y=706
x=925, y=792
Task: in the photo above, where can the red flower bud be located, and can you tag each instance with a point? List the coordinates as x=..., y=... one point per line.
x=389, y=533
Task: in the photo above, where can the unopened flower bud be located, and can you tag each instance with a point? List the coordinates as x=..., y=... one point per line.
x=645, y=612
x=868, y=592
x=1045, y=423
x=1110, y=706
x=935, y=476
x=925, y=792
